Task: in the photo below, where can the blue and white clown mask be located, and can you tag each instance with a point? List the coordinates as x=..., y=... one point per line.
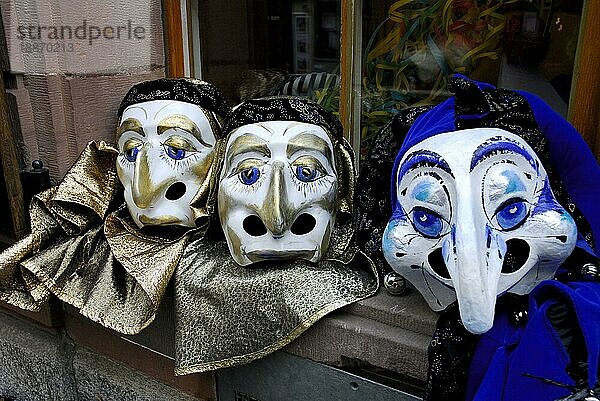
x=474, y=218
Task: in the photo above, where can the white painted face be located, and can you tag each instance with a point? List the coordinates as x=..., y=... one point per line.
x=475, y=217
x=166, y=150
x=278, y=192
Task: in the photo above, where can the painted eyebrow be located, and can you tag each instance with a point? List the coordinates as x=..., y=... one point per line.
x=421, y=157
x=131, y=124
x=179, y=121
x=308, y=141
x=248, y=143
x=266, y=128
x=499, y=144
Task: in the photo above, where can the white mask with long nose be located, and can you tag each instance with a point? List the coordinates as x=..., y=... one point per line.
x=475, y=217
x=166, y=151
x=278, y=192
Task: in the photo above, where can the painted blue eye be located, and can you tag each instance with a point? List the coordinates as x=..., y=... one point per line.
x=131, y=154
x=306, y=173
x=511, y=214
x=249, y=176
x=175, y=153
x=427, y=222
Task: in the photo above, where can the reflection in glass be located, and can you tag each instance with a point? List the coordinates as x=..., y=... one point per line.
x=256, y=48
x=410, y=47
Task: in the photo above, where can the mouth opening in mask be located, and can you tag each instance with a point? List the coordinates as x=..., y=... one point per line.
x=436, y=261
x=517, y=253
x=176, y=191
x=254, y=226
x=304, y=224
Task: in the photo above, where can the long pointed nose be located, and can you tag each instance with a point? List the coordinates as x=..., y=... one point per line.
x=474, y=256
x=275, y=212
x=143, y=189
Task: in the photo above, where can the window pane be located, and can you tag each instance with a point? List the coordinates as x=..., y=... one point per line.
x=411, y=47
x=255, y=48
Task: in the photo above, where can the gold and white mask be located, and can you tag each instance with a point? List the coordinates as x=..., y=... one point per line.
x=166, y=149
x=474, y=218
x=278, y=191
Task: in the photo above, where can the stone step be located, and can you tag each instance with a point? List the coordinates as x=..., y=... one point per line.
x=409, y=312
x=343, y=339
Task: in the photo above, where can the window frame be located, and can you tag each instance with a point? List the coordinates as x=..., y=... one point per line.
x=584, y=100
x=584, y=105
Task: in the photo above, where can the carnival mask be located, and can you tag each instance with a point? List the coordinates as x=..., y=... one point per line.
x=278, y=191
x=166, y=152
x=474, y=217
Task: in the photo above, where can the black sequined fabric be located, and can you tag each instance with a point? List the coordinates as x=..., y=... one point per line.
x=373, y=207
x=452, y=346
x=283, y=108
x=188, y=90
x=449, y=355
x=563, y=318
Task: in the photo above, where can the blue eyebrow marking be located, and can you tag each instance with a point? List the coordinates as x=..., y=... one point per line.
x=499, y=144
x=546, y=201
x=423, y=158
x=422, y=191
x=514, y=182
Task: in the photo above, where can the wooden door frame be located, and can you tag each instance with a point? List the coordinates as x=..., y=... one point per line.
x=174, y=51
x=584, y=102
x=8, y=150
x=10, y=166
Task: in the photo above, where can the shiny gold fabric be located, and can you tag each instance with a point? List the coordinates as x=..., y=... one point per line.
x=150, y=259
x=17, y=286
x=228, y=315
x=88, y=190
x=85, y=249
x=79, y=201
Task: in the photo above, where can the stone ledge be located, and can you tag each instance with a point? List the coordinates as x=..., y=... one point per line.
x=343, y=336
x=409, y=312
